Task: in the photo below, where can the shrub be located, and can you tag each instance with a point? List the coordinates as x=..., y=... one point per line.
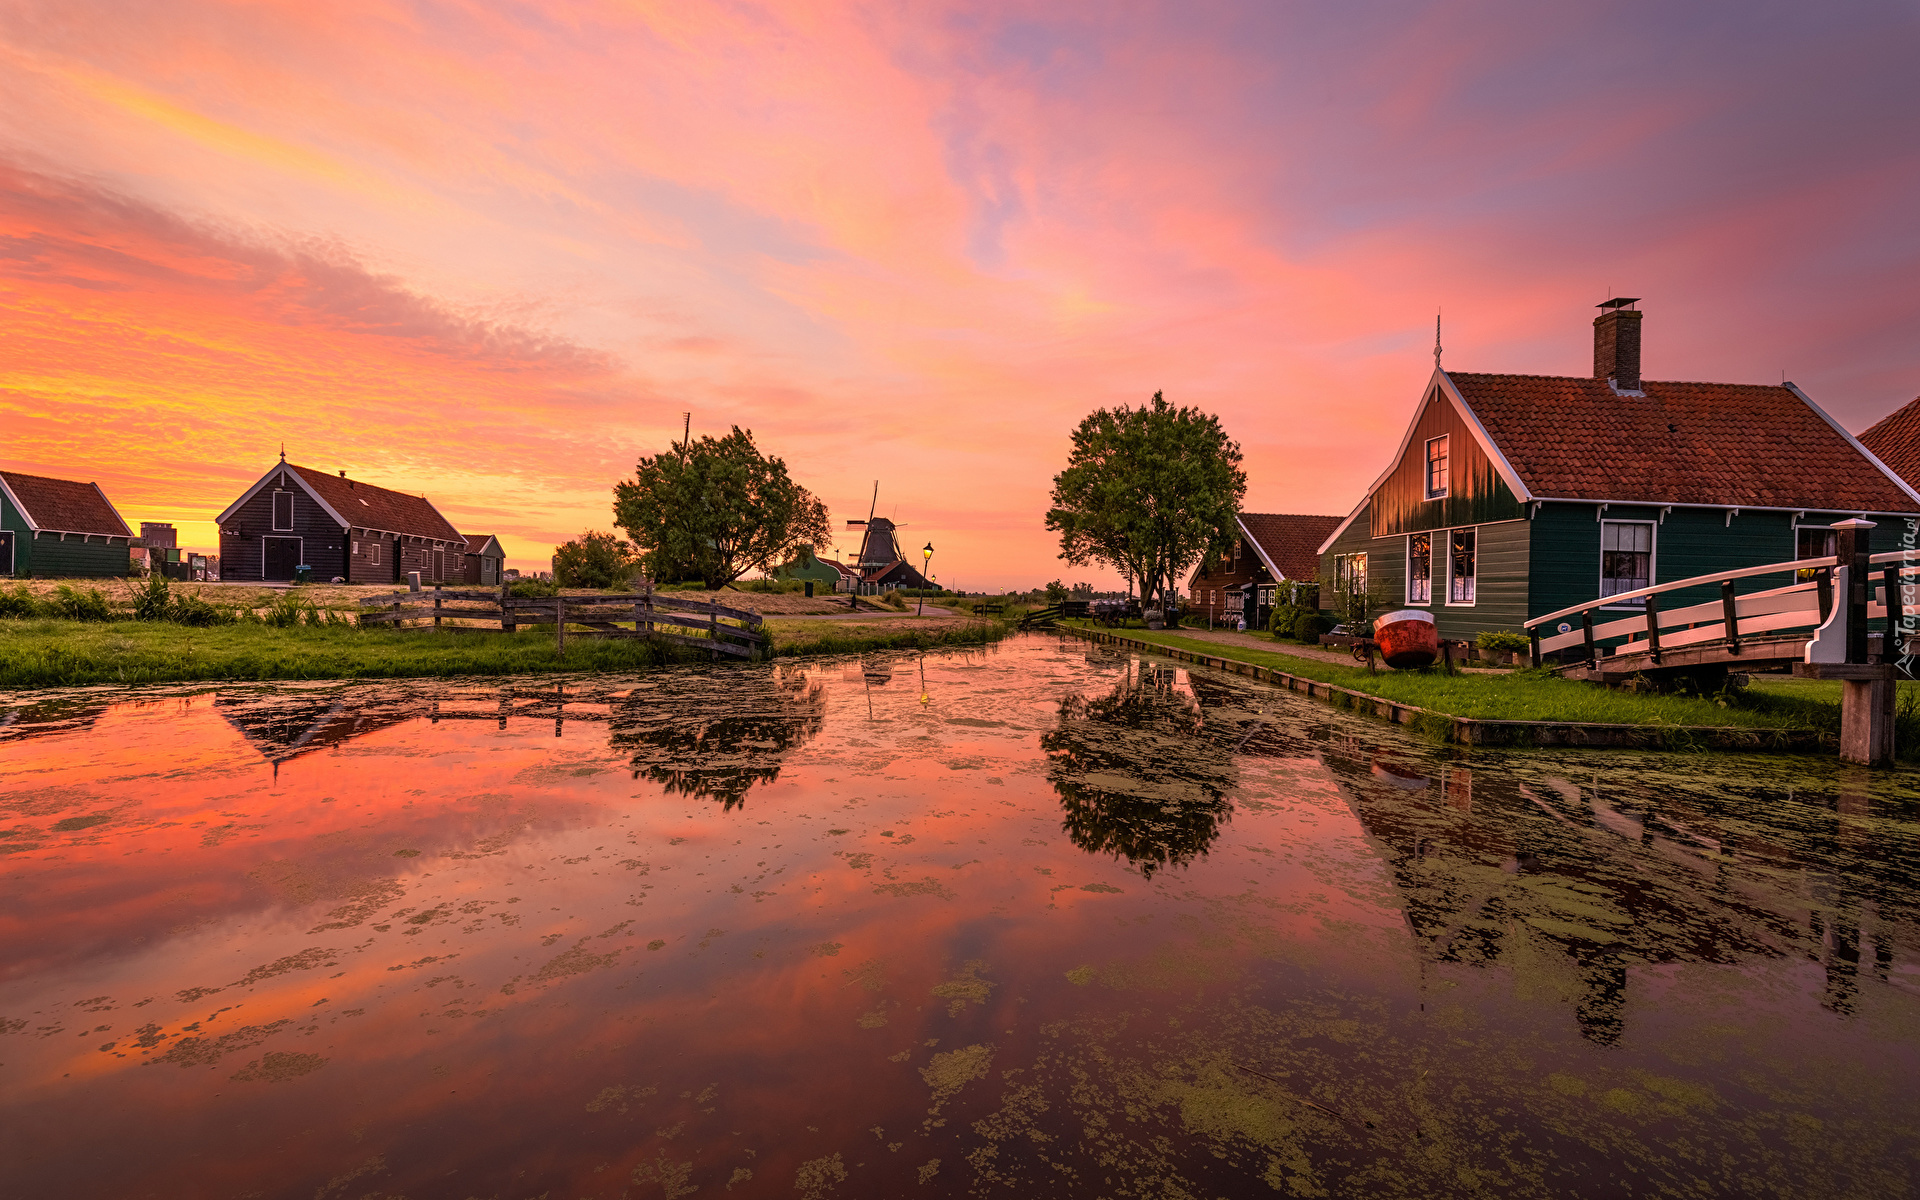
x=1503, y=641
x=533, y=589
x=286, y=611
x=154, y=601
x=18, y=603
x=80, y=605
x=894, y=598
x=192, y=610
x=1309, y=624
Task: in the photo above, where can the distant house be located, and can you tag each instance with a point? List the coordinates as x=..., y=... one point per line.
x=1274, y=548
x=57, y=528
x=1514, y=495
x=826, y=573
x=339, y=528
x=483, y=559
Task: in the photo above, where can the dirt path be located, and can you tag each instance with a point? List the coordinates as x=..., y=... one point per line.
x=1233, y=637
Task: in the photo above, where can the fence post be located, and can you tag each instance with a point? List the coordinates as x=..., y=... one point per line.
x=1653, y=628
x=506, y=608
x=1730, y=614
x=713, y=635
x=1852, y=548
x=1890, y=647
x=1586, y=627
x=436, y=606
x=560, y=626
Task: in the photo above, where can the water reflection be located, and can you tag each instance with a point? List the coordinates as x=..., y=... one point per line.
x=674, y=733
x=1137, y=771
x=479, y=939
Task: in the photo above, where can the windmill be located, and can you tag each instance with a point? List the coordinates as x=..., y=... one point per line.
x=880, y=561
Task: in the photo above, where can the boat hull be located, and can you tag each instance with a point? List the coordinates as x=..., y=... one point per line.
x=1407, y=639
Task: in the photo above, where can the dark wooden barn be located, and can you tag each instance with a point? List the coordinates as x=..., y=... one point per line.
x=484, y=559
x=337, y=527
x=59, y=529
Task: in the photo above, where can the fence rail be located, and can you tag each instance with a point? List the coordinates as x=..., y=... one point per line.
x=640, y=614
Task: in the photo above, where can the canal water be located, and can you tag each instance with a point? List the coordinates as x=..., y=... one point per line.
x=1039, y=919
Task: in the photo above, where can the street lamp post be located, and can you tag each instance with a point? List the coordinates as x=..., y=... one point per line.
x=926, y=558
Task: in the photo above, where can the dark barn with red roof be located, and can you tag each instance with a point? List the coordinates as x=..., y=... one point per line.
x=59, y=529
x=338, y=528
x=1274, y=549
x=1514, y=495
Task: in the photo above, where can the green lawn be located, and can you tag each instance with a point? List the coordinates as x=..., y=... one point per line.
x=1535, y=696
x=42, y=653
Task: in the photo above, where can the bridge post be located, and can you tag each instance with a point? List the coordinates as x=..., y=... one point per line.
x=1866, y=688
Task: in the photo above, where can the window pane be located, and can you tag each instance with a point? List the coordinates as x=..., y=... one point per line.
x=1626, y=558
x=1461, y=574
x=1420, y=568
x=1438, y=469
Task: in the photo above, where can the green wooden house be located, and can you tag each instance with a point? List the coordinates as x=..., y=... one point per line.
x=59, y=529
x=1514, y=495
x=827, y=574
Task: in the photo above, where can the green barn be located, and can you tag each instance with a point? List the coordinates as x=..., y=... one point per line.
x=59, y=529
x=1515, y=495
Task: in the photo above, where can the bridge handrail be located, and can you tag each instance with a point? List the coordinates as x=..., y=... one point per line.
x=1798, y=564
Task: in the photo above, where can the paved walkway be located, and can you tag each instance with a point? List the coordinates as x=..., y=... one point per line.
x=1252, y=641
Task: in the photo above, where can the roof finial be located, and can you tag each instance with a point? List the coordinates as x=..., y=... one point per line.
x=1436, y=339
x=283, y=445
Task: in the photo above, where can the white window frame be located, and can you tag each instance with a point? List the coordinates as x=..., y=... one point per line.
x=373, y=553
x=274, y=516
x=1428, y=602
x=1426, y=467
x=1653, y=562
x=1451, y=602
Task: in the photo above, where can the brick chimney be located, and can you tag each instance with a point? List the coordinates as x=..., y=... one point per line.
x=1616, y=343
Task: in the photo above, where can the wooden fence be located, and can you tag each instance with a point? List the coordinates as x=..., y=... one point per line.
x=641, y=613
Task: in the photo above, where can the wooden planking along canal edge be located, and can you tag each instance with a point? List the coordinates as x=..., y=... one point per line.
x=1476, y=731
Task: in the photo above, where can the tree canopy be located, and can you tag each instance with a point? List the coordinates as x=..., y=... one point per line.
x=713, y=509
x=1149, y=491
x=597, y=560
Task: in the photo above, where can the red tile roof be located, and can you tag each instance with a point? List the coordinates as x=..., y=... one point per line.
x=1290, y=541
x=365, y=506
x=476, y=542
x=1731, y=444
x=65, y=506
x=1895, y=441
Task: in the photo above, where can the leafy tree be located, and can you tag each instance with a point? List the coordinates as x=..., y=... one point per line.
x=715, y=508
x=1056, y=592
x=1149, y=491
x=595, y=560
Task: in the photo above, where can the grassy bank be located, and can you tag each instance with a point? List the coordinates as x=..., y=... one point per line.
x=1536, y=696
x=809, y=638
x=71, y=653
x=56, y=653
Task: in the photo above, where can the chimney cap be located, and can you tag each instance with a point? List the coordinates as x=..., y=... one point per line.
x=1618, y=302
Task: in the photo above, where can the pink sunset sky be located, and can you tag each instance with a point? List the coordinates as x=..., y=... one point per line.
x=492, y=251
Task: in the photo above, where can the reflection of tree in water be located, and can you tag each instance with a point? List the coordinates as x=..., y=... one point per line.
x=1137, y=776
x=699, y=733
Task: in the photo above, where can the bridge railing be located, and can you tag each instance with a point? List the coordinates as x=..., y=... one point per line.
x=1730, y=619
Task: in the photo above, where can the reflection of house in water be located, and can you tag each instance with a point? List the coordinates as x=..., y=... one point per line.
x=1572, y=886
x=43, y=718
x=698, y=737
x=283, y=726
x=1138, y=771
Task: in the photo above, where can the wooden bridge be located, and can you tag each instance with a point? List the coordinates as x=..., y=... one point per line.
x=1818, y=625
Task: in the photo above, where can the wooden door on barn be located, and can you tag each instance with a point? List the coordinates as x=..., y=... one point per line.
x=6, y=552
x=280, y=555
x=439, y=566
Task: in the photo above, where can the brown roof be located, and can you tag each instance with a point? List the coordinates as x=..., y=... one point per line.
x=1680, y=443
x=365, y=506
x=65, y=506
x=1290, y=541
x=1895, y=441
x=476, y=542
